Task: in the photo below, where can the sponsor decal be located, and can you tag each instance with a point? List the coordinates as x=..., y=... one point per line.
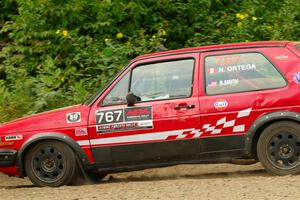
x=73, y=117
x=189, y=133
x=297, y=78
x=282, y=57
x=132, y=118
x=13, y=137
x=81, y=131
x=229, y=82
x=220, y=104
x=213, y=84
x=138, y=113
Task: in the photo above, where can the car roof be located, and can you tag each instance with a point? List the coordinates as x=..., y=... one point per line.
x=216, y=48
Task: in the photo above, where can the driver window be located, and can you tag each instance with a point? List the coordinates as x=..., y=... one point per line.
x=118, y=94
x=164, y=80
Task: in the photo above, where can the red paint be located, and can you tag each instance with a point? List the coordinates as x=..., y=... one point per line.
x=165, y=117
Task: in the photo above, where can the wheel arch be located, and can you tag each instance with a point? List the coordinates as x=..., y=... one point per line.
x=263, y=122
x=84, y=161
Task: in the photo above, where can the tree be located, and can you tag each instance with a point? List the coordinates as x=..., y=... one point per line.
x=56, y=53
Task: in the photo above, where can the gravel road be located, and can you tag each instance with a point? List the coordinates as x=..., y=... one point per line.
x=219, y=181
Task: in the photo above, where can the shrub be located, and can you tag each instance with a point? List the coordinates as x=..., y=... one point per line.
x=56, y=53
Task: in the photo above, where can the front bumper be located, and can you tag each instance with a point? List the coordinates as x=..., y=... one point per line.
x=7, y=157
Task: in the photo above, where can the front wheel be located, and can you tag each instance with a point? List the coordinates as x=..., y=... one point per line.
x=51, y=163
x=278, y=148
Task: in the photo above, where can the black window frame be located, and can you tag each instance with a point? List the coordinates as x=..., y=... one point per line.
x=243, y=52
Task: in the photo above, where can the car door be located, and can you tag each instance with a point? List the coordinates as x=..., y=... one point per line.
x=162, y=126
x=239, y=86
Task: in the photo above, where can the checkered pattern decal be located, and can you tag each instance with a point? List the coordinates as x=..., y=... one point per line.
x=216, y=128
x=191, y=133
x=224, y=123
x=186, y=134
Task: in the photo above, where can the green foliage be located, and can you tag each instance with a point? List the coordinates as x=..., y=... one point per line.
x=56, y=53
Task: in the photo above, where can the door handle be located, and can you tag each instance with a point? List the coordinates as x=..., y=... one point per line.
x=187, y=106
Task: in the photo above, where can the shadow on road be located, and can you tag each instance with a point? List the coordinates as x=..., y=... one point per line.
x=217, y=175
x=119, y=178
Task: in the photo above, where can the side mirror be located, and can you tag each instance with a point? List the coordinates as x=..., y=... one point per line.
x=131, y=99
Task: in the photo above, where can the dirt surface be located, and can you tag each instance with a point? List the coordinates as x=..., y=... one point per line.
x=222, y=181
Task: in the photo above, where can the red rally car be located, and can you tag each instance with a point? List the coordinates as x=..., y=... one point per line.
x=196, y=105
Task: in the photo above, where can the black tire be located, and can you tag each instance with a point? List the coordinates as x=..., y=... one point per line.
x=278, y=148
x=51, y=163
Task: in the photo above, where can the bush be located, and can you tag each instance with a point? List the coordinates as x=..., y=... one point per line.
x=56, y=53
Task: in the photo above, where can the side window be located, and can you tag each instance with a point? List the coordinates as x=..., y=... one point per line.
x=118, y=94
x=164, y=80
x=240, y=72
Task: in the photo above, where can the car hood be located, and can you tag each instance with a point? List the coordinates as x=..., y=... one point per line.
x=54, y=119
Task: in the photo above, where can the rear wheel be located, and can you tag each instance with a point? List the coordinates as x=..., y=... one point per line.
x=278, y=148
x=51, y=163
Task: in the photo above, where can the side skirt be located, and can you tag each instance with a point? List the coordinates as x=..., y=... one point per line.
x=207, y=158
x=160, y=154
